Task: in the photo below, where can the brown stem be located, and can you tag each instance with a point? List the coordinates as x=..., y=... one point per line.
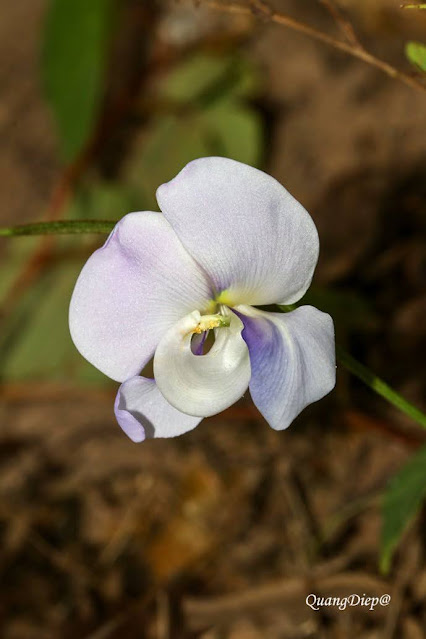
x=344, y=24
x=284, y=20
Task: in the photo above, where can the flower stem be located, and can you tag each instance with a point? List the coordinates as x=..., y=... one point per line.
x=379, y=386
x=58, y=228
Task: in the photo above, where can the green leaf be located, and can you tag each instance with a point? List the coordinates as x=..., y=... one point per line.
x=196, y=75
x=416, y=53
x=225, y=128
x=210, y=118
x=38, y=350
x=402, y=500
x=235, y=131
x=12, y=262
x=103, y=201
x=169, y=144
x=74, y=59
x=206, y=78
x=35, y=342
x=247, y=79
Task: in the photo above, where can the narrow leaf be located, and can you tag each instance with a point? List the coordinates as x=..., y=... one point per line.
x=402, y=500
x=73, y=65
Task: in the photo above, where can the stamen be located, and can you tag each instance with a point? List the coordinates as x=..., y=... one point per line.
x=208, y=322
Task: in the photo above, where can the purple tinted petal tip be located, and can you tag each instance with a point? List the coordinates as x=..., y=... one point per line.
x=130, y=425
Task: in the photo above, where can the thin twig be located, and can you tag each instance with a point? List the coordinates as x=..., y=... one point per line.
x=62, y=561
x=112, y=626
x=163, y=615
x=284, y=20
x=401, y=582
x=344, y=24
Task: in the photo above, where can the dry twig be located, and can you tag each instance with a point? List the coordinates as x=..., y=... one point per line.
x=260, y=8
x=342, y=22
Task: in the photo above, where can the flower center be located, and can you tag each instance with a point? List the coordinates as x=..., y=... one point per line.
x=208, y=322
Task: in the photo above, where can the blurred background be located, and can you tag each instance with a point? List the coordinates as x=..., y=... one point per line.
x=222, y=533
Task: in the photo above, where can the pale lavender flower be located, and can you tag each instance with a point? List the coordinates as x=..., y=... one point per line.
x=229, y=238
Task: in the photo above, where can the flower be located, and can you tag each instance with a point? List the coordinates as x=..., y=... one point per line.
x=229, y=238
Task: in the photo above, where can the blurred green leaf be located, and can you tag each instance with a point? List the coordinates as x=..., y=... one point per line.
x=402, y=500
x=43, y=341
x=103, y=201
x=235, y=131
x=170, y=143
x=12, y=262
x=208, y=116
x=73, y=66
x=193, y=77
x=247, y=79
x=207, y=78
x=35, y=342
x=416, y=53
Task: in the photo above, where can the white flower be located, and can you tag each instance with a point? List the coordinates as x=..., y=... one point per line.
x=229, y=238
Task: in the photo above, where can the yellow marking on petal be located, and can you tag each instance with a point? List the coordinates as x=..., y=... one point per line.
x=211, y=307
x=224, y=298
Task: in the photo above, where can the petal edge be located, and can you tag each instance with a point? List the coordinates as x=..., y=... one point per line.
x=253, y=238
x=293, y=360
x=128, y=295
x=143, y=412
x=202, y=384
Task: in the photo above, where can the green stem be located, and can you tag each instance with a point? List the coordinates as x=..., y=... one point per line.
x=379, y=386
x=58, y=228
x=370, y=379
